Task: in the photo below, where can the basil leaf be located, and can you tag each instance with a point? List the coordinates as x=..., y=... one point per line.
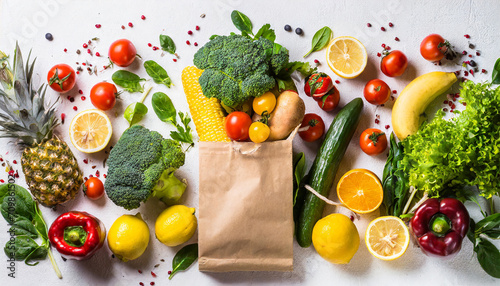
x=158, y=73
x=266, y=32
x=488, y=223
x=135, y=112
x=184, y=258
x=489, y=258
x=495, y=75
x=471, y=233
x=183, y=134
x=241, y=22
x=164, y=108
x=320, y=40
x=494, y=233
x=127, y=80
x=18, y=206
x=24, y=227
x=167, y=44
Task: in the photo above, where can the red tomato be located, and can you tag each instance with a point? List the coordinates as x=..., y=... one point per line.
x=318, y=84
x=330, y=101
x=377, y=92
x=93, y=189
x=103, y=95
x=122, y=52
x=61, y=78
x=373, y=141
x=433, y=47
x=312, y=127
x=394, y=64
x=237, y=125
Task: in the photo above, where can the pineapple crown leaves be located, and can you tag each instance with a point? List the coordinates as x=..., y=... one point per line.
x=23, y=114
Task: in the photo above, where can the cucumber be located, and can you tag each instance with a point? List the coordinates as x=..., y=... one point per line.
x=324, y=168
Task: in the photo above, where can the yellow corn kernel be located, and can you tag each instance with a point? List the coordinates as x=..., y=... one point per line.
x=208, y=114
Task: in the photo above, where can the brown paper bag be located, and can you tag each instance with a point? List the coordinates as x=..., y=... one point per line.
x=246, y=206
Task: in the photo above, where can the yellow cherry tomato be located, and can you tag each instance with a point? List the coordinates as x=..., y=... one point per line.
x=265, y=102
x=259, y=132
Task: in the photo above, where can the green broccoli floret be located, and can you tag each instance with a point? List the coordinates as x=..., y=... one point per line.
x=236, y=68
x=279, y=59
x=141, y=165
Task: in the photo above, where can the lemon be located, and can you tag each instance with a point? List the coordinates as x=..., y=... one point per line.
x=387, y=237
x=360, y=190
x=90, y=131
x=346, y=56
x=128, y=237
x=336, y=238
x=176, y=225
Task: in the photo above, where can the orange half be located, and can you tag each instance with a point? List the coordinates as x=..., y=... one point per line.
x=360, y=190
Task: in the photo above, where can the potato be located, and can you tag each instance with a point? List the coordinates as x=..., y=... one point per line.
x=289, y=112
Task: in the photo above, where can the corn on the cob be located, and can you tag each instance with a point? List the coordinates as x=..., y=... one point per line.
x=208, y=114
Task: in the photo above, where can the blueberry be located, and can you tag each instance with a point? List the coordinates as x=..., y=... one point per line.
x=288, y=28
x=49, y=37
x=299, y=31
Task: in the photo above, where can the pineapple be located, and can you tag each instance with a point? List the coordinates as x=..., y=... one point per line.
x=50, y=168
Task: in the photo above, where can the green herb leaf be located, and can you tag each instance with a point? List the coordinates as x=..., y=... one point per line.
x=135, y=112
x=158, y=73
x=184, y=258
x=495, y=75
x=40, y=224
x=22, y=247
x=18, y=206
x=167, y=44
x=213, y=37
x=242, y=22
x=320, y=40
x=471, y=233
x=24, y=227
x=127, y=80
x=266, y=32
x=494, y=233
x=164, y=108
x=488, y=223
x=299, y=170
x=183, y=134
x=489, y=257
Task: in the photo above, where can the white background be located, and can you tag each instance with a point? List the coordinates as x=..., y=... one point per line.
x=72, y=23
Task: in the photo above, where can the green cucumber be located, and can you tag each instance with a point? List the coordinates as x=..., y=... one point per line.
x=324, y=168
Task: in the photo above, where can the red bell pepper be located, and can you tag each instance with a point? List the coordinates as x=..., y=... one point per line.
x=77, y=235
x=440, y=225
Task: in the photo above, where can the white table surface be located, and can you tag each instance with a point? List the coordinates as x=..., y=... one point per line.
x=72, y=23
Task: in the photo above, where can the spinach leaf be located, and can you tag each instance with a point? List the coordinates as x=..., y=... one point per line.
x=494, y=233
x=18, y=206
x=495, y=75
x=164, y=108
x=184, y=258
x=135, y=112
x=242, y=22
x=157, y=72
x=488, y=223
x=24, y=227
x=320, y=40
x=299, y=170
x=21, y=247
x=266, y=32
x=488, y=257
x=127, y=80
x=167, y=44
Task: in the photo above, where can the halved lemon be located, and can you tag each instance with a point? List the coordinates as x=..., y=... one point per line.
x=90, y=131
x=387, y=237
x=360, y=190
x=346, y=56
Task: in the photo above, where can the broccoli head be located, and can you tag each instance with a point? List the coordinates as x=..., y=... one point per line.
x=141, y=165
x=236, y=68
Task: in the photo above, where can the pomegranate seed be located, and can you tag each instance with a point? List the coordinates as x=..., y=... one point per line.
x=80, y=91
x=123, y=27
x=83, y=98
x=392, y=98
x=97, y=173
x=337, y=81
x=445, y=102
x=86, y=161
x=470, y=56
x=391, y=24
x=154, y=48
x=2, y=181
x=368, y=25
x=352, y=218
x=97, y=26
x=316, y=61
x=379, y=55
x=387, y=127
x=143, y=17
x=197, y=28
x=466, y=73
x=91, y=176
x=11, y=173
x=175, y=60
x=377, y=115
x=65, y=50
x=152, y=283
x=451, y=110
x=453, y=106
x=188, y=43
x=104, y=175
x=169, y=272
x=14, y=162
x=17, y=174
x=85, y=45
x=388, y=48
x=71, y=99
x=445, y=109
x=383, y=46
x=77, y=72
x=483, y=71
x=464, y=53
x=98, y=54
x=464, y=104
x=377, y=121
x=467, y=36
x=394, y=91
x=130, y=24
x=84, y=64
x=195, y=44
x=457, y=95
x=63, y=116
x=471, y=72
x=153, y=274
x=140, y=283
x=140, y=271
x=190, y=32
x=396, y=39
x=383, y=29
x=75, y=108
x=149, y=45
x=478, y=54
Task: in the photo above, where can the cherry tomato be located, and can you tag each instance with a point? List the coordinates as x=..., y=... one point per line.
x=259, y=132
x=330, y=101
x=394, y=64
x=317, y=85
x=237, y=125
x=93, y=189
x=61, y=78
x=433, y=47
x=373, y=141
x=265, y=102
x=103, y=95
x=377, y=92
x=122, y=52
x=312, y=127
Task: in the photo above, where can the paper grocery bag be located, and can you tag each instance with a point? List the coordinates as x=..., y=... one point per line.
x=246, y=206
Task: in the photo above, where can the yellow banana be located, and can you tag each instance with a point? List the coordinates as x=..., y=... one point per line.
x=408, y=110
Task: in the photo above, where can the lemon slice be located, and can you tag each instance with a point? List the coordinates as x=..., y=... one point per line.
x=360, y=190
x=90, y=131
x=346, y=56
x=387, y=237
